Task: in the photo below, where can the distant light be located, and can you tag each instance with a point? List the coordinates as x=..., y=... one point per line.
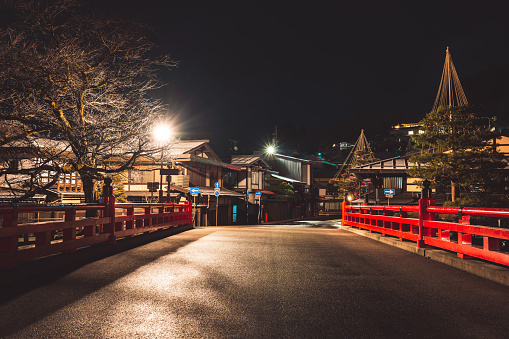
x=349, y=198
x=271, y=149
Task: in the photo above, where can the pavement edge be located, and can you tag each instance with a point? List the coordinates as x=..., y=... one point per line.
x=480, y=268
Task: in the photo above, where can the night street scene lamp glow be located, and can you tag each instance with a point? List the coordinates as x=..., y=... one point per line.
x=271, y=149
x=161, y=133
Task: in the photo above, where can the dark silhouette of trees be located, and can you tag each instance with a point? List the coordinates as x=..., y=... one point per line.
x=457, y=151
x=84, y=83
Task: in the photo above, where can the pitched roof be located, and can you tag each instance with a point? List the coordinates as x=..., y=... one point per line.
x=392, y=165
x=186, y=146
x=246, y=160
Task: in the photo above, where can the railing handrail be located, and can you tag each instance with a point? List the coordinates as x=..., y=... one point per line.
x=472, y=211
x=43, y=208
x=106, y=228
x=427, y=232
x=396, y=208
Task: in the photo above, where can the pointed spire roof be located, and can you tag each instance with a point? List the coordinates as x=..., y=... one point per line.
x=450, y=93
x=361, y=144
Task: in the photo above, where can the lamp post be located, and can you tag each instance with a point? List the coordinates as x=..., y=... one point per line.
x=162, y=133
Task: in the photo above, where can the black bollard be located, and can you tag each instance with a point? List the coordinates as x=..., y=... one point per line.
x=107, y=188
x=426, y=191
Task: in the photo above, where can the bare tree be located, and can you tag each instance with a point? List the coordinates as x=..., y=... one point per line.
x=83, y=81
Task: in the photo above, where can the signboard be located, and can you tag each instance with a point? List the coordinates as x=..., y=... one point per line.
x=195, y=191
x=389, y=191
x=258, y=194
x=152, y=186
x=216, y=192
x=217, y=185
x=169, y=171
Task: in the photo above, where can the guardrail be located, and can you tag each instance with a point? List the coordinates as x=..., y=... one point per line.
x=67, y=235
x=468, y=241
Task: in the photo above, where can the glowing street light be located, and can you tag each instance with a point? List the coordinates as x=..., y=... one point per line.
x=271, y=149
x=162, y=133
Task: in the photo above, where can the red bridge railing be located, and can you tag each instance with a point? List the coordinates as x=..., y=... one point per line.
x=421, y=227
x=70, y=233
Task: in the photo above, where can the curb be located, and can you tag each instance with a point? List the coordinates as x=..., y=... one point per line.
x=480, y=268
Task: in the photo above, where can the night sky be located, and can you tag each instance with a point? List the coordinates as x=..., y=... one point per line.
x=329, y=67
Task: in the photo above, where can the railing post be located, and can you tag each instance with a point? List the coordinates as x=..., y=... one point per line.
x=189, y=212
x=70, y=233
x=147, y=221
x=130, y=223
x=108, y=200
x=10, y=244
x=171, y=210
x=43, y=238
x=343, y=214
x=424, y=215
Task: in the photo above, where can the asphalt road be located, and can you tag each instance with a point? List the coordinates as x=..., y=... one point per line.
x=307, y=280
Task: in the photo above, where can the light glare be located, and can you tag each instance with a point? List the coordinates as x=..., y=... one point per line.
x=162, y=133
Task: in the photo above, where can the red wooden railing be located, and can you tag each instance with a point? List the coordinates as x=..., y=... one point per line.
x=115, y=221
x=426, y=231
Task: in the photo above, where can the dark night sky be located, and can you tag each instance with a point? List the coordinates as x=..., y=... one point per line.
x=338, y=65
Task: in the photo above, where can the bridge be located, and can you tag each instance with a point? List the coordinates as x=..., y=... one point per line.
x=303, y=279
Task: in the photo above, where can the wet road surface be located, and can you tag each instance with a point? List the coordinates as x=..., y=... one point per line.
x=305, y=280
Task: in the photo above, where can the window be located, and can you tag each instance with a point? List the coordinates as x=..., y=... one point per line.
x=254, y=178
x=393, y=182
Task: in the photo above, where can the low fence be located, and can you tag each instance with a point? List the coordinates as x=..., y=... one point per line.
x=23, y=242
x=420, y=225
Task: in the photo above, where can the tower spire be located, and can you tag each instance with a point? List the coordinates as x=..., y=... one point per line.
x=450, y=93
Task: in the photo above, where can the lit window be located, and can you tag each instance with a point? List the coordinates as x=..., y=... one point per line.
x=410, y=132
x=254, y=178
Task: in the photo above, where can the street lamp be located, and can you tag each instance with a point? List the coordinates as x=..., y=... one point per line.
x=162, y=133
x=271, y=149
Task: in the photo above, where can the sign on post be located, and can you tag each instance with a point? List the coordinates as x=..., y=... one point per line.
x=258, y=194
x=195, y=191
x=389, y=193
x=152, y=186
x=217, y=185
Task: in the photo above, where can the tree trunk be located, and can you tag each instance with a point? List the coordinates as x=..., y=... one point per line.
x=453, y=191
x=88, y=189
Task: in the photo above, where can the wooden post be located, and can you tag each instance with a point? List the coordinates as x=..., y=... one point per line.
x=424, y=215
x=10, y=244
x=70, y=233
x=108, y=200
